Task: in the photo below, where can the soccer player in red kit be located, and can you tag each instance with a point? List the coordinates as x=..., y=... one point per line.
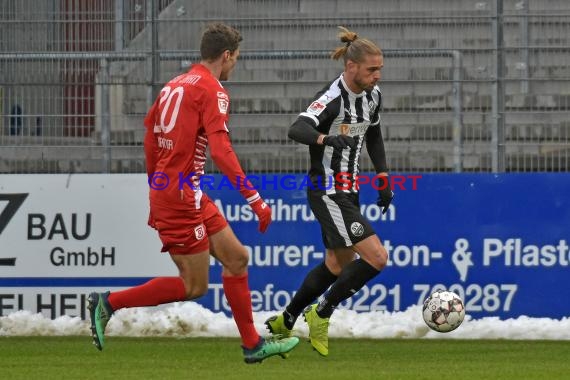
x=190, y=114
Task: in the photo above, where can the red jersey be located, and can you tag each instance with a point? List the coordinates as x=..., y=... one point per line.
x=190, y=107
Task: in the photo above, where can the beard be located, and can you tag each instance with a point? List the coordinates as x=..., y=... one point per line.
x=363, y=85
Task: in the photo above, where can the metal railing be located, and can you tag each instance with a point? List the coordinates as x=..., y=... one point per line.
x=480, y=87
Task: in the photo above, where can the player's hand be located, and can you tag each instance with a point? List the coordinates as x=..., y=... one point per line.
x=339, y=141
x=263, y=212
x=385, y=194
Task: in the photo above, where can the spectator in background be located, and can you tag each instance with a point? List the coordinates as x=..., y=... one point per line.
x=191, y=113
x=342, y=118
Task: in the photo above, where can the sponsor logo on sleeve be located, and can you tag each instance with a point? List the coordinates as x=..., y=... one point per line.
x=316, y=108
x=223, y=102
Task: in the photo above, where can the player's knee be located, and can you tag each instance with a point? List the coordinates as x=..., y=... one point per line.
x=332, y=265
x=237, y=263
x=380, y=259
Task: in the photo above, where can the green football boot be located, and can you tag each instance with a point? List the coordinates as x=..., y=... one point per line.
x=100, y=312
x=268, y=347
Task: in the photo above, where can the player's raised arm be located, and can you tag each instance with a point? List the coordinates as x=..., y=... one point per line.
x=225, y=158
x=305, y=129
x=303, y=132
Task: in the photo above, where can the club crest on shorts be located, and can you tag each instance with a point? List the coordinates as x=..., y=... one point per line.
x=357, y=229
x=200, y=232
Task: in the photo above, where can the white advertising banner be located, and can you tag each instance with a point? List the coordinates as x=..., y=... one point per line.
x=62, y=236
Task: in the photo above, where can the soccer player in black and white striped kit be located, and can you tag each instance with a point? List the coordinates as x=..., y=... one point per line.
x=343, y=117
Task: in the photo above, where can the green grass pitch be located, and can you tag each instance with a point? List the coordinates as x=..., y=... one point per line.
x=217, y=358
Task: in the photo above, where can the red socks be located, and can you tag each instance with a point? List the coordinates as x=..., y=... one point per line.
x=154, y=292
x=237, y=292
x=170, y=289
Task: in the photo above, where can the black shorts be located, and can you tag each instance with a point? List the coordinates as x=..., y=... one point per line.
x=342, y=224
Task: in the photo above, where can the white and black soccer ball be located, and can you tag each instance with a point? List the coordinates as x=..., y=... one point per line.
x=443, y=311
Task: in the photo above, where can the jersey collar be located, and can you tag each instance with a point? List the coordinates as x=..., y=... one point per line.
x=348, y=89
x=204, y=70
x=200, y=67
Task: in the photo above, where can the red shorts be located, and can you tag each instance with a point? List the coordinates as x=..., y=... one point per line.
x=185, y=232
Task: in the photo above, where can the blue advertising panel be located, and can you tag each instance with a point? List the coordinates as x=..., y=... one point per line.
x=499, y=241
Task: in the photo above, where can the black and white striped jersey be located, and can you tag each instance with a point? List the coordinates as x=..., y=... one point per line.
x=337, y=110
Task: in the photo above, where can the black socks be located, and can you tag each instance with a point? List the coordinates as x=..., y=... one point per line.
x=352, y=278
x=316, y=283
